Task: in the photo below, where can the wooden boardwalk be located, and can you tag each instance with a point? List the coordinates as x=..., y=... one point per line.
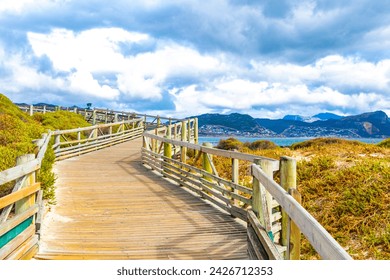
x=109, y=206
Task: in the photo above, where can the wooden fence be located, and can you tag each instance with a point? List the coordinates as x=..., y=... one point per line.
x=19, y=229
x=274, y=224
x=98, y=115
x=73, y=142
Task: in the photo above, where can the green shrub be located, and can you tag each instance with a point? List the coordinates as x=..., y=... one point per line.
x=230, y=144
x=18, y=130
x=385, y=143
x=261, y=145
x=319, y=142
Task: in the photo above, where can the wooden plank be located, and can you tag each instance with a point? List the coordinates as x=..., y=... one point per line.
x=97, y=146
x=259, y=253
x=295, y=234
x=16, y=242
x=117, y=209
x=23, y=249
x=87, y=128
x=19, y=171
x=269, y=246
x=30, y=253
x=40, y=210
x=16, y=220
x=318, y=237
x=214, y=151
x=220, y=180
x=16, y=196
x=7, y=210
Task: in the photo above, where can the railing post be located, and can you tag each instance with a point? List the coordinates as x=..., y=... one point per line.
x=25, y=203
x=116, y=117
x=167, y=148
x=31, y=110
x=189, y=131
x=207, y=161
x=183, y=150
x=75, y=110
x=291, y=236
x=44, y=109
x=158, y=121
x=235, y=176
x=94, y=117
x=196, y=131
x=57, y=140
x=261, y=199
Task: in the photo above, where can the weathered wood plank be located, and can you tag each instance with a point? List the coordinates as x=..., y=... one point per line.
x=319, y=238
x=214, y=151
x=258, y=251
x=7, y=249
x=268, y=245
x=19, y=171
x=118, y=209
x=16, y=220
x=23, y=249
x=22, y=193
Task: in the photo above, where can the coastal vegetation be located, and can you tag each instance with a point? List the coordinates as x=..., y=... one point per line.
x=344, y=184
x=17, y=132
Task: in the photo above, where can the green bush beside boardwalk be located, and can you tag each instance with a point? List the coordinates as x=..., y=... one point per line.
x=17, y=132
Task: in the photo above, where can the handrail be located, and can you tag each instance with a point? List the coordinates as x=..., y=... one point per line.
x=18, y=235
x=214, y=151
x=325, y=245
x=271, y=212
x=98, y=138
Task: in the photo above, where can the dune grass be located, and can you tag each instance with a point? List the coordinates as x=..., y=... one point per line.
x=344, y=184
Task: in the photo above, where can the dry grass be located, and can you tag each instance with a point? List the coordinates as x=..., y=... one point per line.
x=345, y=185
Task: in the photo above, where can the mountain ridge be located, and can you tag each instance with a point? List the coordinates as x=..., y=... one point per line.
x=366, y=125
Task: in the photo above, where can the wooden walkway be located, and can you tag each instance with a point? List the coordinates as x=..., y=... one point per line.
x=109, y=206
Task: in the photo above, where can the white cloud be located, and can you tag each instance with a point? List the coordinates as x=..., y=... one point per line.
x=22, y=76
x=140, y=75
x=92, y=50
x=146, y=73
x=82, y=82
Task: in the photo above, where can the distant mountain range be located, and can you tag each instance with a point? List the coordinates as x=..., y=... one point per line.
x=367, y=125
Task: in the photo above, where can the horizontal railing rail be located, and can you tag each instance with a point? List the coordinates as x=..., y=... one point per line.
x=273, y=229
x=325, y=245
x=21, y=210
x=92, y=138
x=99, y=115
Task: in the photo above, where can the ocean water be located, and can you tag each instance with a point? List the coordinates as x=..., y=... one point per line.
x=279, y=141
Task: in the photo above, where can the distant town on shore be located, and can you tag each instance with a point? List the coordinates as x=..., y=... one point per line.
x=367, y=125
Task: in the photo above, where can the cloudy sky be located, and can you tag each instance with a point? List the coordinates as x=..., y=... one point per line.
x=266, y=58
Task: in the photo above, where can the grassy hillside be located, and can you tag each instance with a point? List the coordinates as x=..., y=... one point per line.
x=18, y=130
x=345, y=185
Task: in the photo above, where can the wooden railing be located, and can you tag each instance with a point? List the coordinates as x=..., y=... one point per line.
x=73, y=142
x=274, y=224
x=19, y=229
x=98, y=115
x=272, y=211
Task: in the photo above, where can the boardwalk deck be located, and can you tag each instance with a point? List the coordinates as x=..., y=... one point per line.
x=111, y=207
